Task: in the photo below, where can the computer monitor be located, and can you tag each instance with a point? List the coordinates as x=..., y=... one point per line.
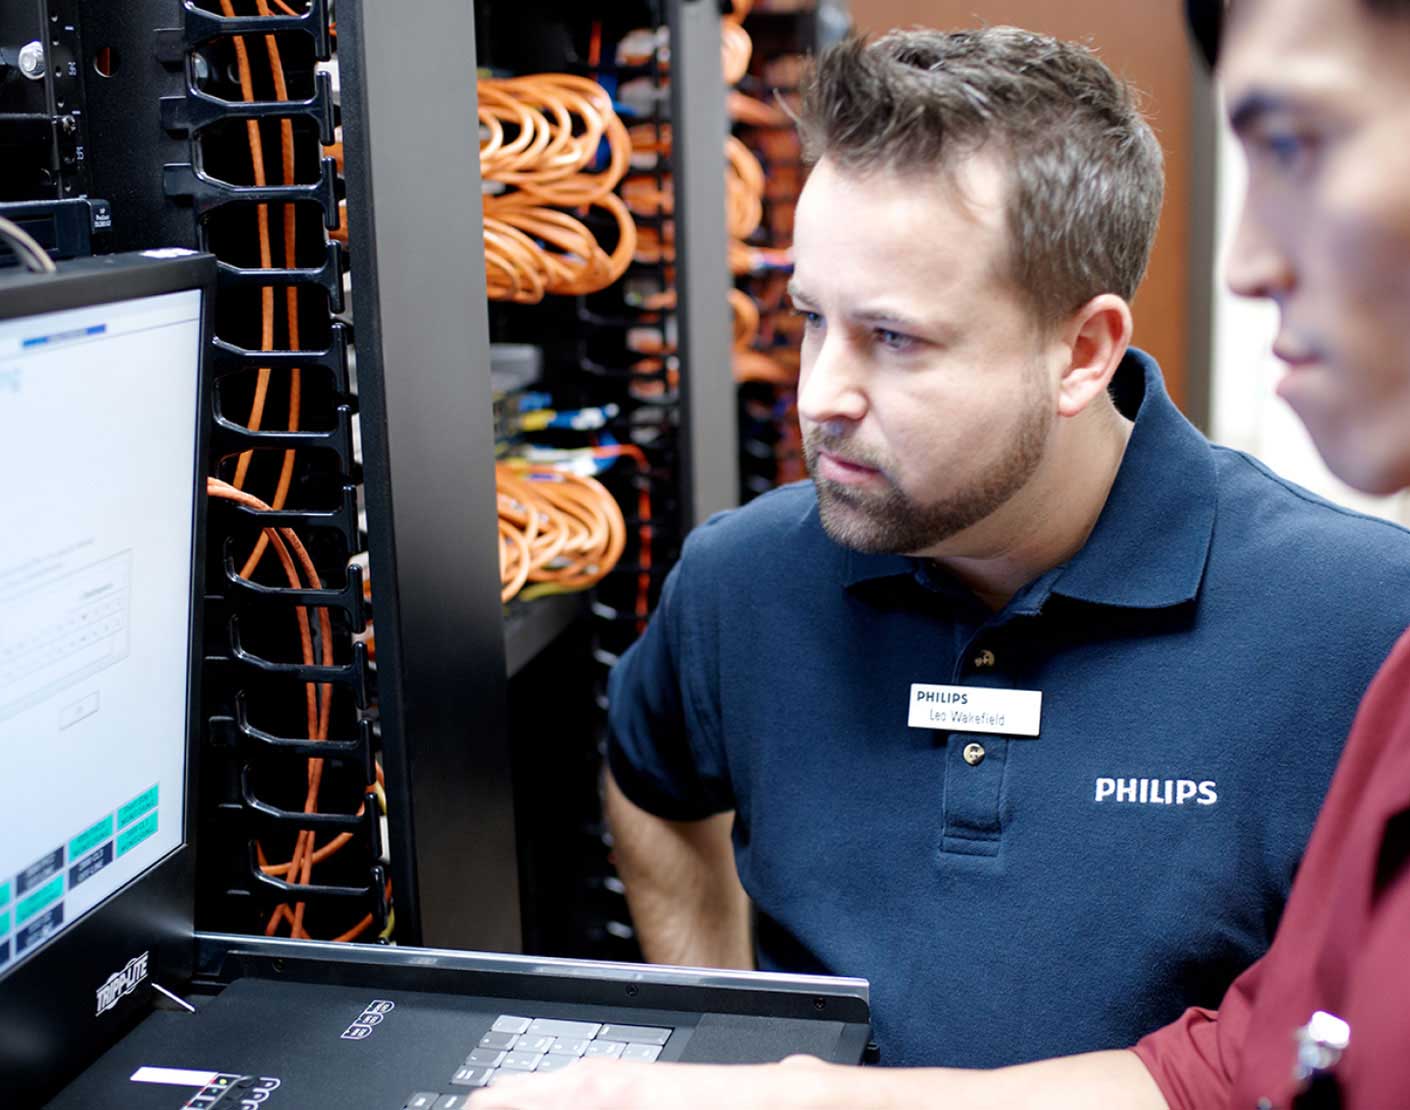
x=102, y=464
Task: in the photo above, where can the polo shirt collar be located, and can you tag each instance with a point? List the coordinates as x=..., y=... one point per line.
x=1151, y=541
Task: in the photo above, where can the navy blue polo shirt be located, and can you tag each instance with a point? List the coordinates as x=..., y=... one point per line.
x=1010, y=898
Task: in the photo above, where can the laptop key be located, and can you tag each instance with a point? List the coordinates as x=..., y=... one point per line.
x=508, y=1023
x=606, y=1050
x=552, y=1028
x=521, y=1061
x=538, y=1044
x=642, y=1053
x=451, y=1102
x=634, y=1034
x=422, y=1100
x=556, y=1063
x=485, y=1058
x=471, y=1077
x=501, y=1041
x=569, y=1047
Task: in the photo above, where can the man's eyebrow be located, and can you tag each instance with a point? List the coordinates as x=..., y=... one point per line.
x=1252, y=107
x=795, y=291
x=886, y=316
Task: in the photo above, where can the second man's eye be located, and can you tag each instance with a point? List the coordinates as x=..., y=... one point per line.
x=1292, y=152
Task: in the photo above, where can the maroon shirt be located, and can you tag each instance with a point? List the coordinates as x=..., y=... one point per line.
x=1343, y=944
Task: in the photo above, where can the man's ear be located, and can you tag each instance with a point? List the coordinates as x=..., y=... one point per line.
x=1095, y=339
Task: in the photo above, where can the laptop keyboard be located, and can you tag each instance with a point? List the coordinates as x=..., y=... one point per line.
x=516, y=1045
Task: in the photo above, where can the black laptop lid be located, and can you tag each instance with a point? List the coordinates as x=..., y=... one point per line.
x=102, y=504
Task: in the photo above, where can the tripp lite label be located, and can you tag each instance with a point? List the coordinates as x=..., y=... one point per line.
x=122, y=983
x=975, y=709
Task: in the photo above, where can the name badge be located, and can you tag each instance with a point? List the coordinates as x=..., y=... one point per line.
x=976, y=709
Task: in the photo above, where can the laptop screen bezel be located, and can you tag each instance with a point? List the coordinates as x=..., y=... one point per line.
x=48, y=1004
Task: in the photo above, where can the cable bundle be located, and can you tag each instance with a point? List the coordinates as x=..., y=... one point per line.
x=293, y=556
x=558, y=530
x=744, y=190
x=737, y=46
x=539, y=134
x=30, y=254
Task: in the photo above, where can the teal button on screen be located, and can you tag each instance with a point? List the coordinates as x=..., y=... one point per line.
x=130, y=838
x=135, y=808
x=90, y=838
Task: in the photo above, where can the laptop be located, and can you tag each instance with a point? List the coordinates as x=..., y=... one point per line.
x=108, y=996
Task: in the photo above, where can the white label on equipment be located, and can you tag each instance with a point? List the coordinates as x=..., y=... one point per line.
x=174, y=1077
x=975, y=709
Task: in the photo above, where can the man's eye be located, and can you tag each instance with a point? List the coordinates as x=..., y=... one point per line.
x=1288, y=150
x=811, y=319
x=893, y=340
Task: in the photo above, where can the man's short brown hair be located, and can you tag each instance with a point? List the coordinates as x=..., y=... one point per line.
x=1085, y=173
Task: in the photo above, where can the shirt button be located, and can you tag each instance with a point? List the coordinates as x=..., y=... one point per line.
x=974, y=754
x=984, y=659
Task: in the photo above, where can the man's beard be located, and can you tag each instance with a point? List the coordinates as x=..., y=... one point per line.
x=889, y=521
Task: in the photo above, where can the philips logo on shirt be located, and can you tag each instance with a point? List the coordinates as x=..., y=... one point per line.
x=1157, y=792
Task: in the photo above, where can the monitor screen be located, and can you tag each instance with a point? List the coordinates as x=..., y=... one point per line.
x=98, y=442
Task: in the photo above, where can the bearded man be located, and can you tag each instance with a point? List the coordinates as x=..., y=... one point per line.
x=1024, y=706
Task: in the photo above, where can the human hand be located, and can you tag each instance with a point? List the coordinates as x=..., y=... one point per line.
x=799, y=1083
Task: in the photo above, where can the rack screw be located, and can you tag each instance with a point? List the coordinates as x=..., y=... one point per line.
x=31, y=60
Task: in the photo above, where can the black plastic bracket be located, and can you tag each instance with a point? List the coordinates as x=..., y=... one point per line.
x=236, y=733
x=232, y=437
x=351, y=675
x=329, y=276
x=342, y=519
x=182, y=179
x=349, y=599
x=197, y=109
x=346, y=822
x=231, y=359
x=173, y=43
x=294, y=892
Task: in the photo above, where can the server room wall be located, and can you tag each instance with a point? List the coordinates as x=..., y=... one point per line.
x=1146, y=44
x=260, y=130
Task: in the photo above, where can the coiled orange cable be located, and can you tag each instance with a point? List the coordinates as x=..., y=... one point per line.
x=540, y=134
x=561, y=530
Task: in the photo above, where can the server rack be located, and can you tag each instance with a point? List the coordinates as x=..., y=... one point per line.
x=391, y=431
x=676, y=412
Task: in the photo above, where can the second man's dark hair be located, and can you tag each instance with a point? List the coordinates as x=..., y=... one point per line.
x=1206, y=19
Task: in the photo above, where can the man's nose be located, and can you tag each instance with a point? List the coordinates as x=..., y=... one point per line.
x=1257, y=266
x=830, y=385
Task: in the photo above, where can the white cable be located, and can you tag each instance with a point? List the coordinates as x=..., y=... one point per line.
x=35, y=258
